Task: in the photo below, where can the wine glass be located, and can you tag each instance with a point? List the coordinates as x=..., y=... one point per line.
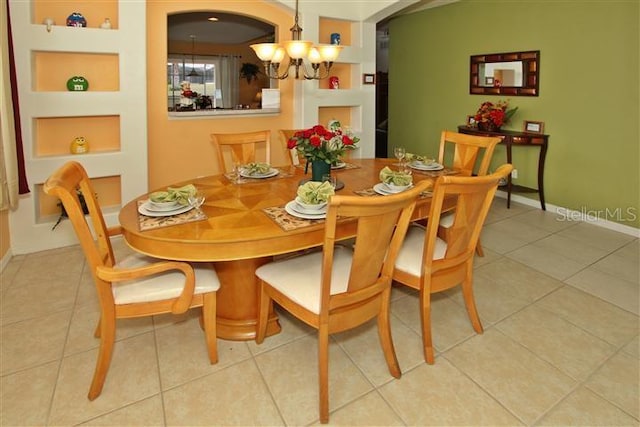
x=331, y=179
x=196, y=199
x=399, y=152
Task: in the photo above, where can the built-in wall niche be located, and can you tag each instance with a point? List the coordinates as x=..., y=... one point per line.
x=52, y=70
x=345, y=115
x=95, y=12
x=107, y=189
x=328, y=26
x=342, y=72
x=53, y=135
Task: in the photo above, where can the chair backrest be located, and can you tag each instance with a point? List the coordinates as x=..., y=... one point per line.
x=65, y=183
x=466, y=150
x=233, y=148
x=382, y=223
x=293, y=155
x=474, y=196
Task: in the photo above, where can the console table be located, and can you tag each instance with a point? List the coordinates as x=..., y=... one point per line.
x=514, y=138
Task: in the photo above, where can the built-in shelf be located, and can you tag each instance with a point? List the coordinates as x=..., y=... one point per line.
x=332, y=25
x=94, y=12
x=53, y=135
x=107, y=191
x=53, y=69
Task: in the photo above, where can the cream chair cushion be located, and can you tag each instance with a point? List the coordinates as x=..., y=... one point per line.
x=161, y=286
x=300, y=277
x=446, y=220
x=410, y=257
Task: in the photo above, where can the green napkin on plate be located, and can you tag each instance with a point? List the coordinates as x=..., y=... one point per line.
x=417, y=158
x=313, y=192
x=257, y=168
x=180, y=195
x=389, y=176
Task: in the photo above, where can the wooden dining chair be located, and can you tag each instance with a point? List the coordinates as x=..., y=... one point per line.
x=293, y=155
x=340, y=288
x=430, y=264
x=466, y=149
x=241, y=148
x=135, y=286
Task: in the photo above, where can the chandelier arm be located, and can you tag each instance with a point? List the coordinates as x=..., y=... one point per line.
x=272, y=69
x=319, y=72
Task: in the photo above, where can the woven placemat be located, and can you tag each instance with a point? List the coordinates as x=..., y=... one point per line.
x=288, y=222
x=367, y=192
x=149, y=222
x=283, y=172
x=435, y=174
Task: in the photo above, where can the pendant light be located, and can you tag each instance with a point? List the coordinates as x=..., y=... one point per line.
x=193, y=72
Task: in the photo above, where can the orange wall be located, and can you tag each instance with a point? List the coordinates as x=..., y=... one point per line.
x=180, y=149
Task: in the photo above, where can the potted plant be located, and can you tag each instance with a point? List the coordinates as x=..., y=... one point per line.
x=249, y=71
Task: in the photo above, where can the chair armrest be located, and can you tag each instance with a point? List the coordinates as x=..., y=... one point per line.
x=181, y=304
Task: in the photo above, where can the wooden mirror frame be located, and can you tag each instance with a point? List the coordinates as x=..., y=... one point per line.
x=530, y=70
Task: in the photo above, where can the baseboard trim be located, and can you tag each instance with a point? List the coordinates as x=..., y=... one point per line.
x=574, y=215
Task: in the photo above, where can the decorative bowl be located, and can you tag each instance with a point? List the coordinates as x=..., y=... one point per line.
x=310, y=206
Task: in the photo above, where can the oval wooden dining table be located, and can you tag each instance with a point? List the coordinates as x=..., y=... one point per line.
x=238, y=235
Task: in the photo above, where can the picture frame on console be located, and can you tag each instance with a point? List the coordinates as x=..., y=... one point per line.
x=471, y=121
x=533, y=127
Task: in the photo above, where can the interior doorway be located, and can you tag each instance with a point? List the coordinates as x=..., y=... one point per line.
x=382, y=89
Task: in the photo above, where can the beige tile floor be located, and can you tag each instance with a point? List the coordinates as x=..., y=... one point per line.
x=558, y=299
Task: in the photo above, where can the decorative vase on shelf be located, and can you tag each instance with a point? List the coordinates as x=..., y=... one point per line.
x=318, y=169
x=488, y=127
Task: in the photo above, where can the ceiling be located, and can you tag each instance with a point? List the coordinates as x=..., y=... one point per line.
x=237, y=29
x=229, y=29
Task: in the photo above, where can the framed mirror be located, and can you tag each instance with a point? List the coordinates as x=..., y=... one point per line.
x=512, y=73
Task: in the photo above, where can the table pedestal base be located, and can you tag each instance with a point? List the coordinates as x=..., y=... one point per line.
x=237, y=300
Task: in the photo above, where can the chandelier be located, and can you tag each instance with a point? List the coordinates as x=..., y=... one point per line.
x=272, y=54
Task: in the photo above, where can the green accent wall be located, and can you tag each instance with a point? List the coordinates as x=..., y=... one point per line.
x=589, y=91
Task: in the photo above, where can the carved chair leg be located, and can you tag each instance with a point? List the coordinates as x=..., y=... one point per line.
x=470, y=303
x=209, y=323
x=107, y=339
x=323, y=372
x=425, y=316
x=264, y=303
x=384, y=332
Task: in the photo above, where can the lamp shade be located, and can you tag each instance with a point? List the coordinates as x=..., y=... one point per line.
x=297, y=49
x=329, y=52
x=278, y=55
x=314, y=56
x=265, y=51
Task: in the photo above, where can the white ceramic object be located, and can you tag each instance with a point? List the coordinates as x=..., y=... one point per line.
x=310, y=207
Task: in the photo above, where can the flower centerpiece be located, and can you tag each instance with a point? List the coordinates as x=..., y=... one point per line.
x=323, y=147
x=491, y=116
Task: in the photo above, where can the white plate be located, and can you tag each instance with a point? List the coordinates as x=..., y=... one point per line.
x=338, y=165
x=272, y=172
x=426, y=167
x=144, y=210
x=291, y=210
x=381, y=188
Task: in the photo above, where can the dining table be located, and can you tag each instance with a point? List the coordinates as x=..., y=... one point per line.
x=246, y=222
